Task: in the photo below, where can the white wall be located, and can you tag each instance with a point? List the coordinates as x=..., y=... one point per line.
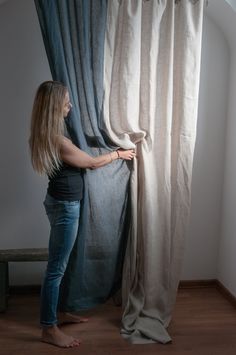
x=201, y=254
x=23, y=65
x=227, y=246
x=224, y=14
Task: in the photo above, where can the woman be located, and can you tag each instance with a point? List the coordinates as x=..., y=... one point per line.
x=55, y=155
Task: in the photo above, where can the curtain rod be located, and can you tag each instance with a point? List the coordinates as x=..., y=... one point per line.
x=193, y=1
x=206, y=2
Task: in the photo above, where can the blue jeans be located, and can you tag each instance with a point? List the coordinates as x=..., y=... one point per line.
x=64, y=220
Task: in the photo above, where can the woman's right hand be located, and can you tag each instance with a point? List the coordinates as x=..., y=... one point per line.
x=128, y=154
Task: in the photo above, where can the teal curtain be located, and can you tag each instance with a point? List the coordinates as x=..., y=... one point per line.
x=73, y=33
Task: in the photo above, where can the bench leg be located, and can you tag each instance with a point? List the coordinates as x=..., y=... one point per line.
x=4, y=285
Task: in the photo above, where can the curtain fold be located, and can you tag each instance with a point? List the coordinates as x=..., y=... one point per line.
x=151, y=81
x=73, y=33
x=132, y=68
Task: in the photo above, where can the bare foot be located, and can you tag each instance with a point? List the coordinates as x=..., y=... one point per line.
x=53, y=335
x=64, y=317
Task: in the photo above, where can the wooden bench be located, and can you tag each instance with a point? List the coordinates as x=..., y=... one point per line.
x=15, y=255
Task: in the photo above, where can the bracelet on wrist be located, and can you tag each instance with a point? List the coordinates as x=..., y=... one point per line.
x=118, y=154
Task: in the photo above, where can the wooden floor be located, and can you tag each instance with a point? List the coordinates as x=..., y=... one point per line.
x=204, y=323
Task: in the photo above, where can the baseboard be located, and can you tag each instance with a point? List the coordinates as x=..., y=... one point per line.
x=198, y=283
x=226, y=293
x=28, y=289
x=212, y=283
x=190, y=284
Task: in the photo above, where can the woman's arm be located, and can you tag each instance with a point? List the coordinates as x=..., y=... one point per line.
x=74, y=156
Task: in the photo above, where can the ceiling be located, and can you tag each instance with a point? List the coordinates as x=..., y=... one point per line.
x=224, y=15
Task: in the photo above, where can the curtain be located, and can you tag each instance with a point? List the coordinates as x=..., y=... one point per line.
x=152, y=65
x=132, y=69
x=73, y=33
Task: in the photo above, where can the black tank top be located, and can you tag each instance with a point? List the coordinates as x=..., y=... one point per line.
x=66, y=184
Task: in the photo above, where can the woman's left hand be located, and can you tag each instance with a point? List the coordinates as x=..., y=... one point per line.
x=128, y=154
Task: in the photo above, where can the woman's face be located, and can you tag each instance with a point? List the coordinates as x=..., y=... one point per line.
x=67, y=105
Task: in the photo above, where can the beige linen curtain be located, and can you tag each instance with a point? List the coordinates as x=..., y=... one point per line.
x=152, y=65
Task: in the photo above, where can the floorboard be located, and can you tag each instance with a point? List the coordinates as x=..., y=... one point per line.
x=204, y=323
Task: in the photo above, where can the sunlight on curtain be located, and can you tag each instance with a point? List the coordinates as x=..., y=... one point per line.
x=151, y=80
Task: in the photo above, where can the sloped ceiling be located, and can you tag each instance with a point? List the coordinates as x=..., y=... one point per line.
x=223, y=13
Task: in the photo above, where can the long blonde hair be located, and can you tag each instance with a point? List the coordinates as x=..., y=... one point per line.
x=47, y=125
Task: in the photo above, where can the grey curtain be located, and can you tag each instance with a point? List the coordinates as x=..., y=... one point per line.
x=73, y=33
x=132, y=68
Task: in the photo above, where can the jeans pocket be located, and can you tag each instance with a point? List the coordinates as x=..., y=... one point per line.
x=61, y=211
